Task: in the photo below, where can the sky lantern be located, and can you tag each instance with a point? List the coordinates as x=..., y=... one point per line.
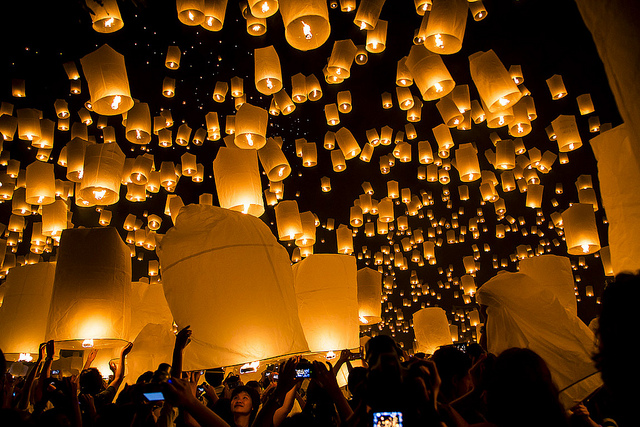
x=327, y=296
x=556, y=87
x=237, y=180
x=263, y=8
x=368, y=13
x=203, y=255
x=341, y=59
x=105, y=16
x=190, y=12
x=306, y=23
x=445, y=27
x=268, y=74
x=585, y=104
x=431, y=328
x=566, y=132
x=25, y=309
x=467, y=163
x=101, y=178
x=220, y=91
x=284, y=102
x=344, y=239
x=299, y=88
x=273, y=161
x=106, y=76
x=314, y=91
x=347, y=143
x=580, y=229
x=40, y=184
x=172, y=60
x=214, y=12
x=288, y=220
x=90, y=304
x=138, y=129
x=495, y=86
x=376, y=41
x=429, y=73
x=251, y=127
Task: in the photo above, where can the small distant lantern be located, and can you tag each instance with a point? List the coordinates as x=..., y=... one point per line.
x=172, y=60
x=105, y=15
x=556, y=87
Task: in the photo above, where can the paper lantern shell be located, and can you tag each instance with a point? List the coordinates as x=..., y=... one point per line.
x=495, y=86
x=445, y=27
x=268, y=75
x=369, y=295
x=101, y=180
x=91, y=290
x=106, y=76
x=25, y=308
x=554, y=272
x=326, y=292
x=306, y=24
x=237, y=180
x=431, y=329
x=204, y=264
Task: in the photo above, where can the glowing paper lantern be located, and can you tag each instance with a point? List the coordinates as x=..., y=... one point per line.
x=273, y=161
x=237, y=180
x=40, y=184
x=369, y=296
x=555, y=273
x=190, y=12
x=90, y=304
x=288, y=220
x=108, y=83
x=268, y=75
x=214, y=11
x=429, y=73
x=377, y=38
x=342, y=56
x=580, y=229
x=25, y=308
x=102, y=174
x=204, y=256
x=344, y=239
x=431, y=329
x=347, y=143
x=306, y=23
x=327, y=296
x=495, y=86
x=105, y=15
x=251, y=127
x=172, y=60
x=467, y=163
x=148, y=305
x=284, y=103
x=445, y=27
x=565, y=129
x=556, y=87
x=138, y=129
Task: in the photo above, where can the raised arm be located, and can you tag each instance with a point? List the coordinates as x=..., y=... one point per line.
x=182, y=339
x=119, y=375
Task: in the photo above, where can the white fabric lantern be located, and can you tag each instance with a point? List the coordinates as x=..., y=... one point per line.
x=554, y=272
x=523, y=313
x=25, y=308
x=90, y=305
x=148, y=305
x=431, y=329
x=326, y=291
x=219, y=264
x=238, y=180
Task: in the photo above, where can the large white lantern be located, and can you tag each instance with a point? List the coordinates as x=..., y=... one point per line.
x=431, y=328
x=219, y=264
x=369, y=296
x=326, y=291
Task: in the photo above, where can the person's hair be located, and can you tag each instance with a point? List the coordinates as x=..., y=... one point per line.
x=91, y=381
x=253, y=394
x=451, y=363
x=521, y=391
x=378, y=345
x=356, y=376
x=145, y=378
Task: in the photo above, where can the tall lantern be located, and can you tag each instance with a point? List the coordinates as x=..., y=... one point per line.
x=268, y=74
x=377, y=38
x=445, y=26
x=344, y=238
x=327, y=295
x=172, y=60
x=580, y=229
x=273, y=161
x=108, y=83
x=347, y=143
x=566, y=131
x=556, y=87
x=369, y=296
x=288, y=220
x=495, y=86
x=214, y=11
x=90, y=304
x=431, y=328
x=190, y=12
x=306, y=23
x=341, y=59
x=368, y=13
x=467, y=163
x=203, y=259
x=429, y=73
x=138, y=129
x=40, y=184
x=237, y=180
x=251, y=127
x=25, y=308
x=555, y=273
x=102, y=174
x=105, y=15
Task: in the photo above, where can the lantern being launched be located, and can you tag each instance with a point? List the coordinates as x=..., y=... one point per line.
x=90, y=304
x=369, y=296
x=326, y=291
x=108, y=83
x=204, y=261
x=431, y=328
x=237, y=180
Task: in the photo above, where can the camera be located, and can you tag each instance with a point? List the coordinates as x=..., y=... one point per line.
x=304, y=370
x=387, y=419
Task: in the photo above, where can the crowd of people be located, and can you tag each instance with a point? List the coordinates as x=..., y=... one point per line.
x=452, y=387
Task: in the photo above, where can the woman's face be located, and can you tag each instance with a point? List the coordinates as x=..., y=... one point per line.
x=241, y=403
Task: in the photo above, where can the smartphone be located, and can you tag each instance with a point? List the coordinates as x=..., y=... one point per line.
x=387, y=419
x=461, y=346
x=154, y=396
x=55, y=372
x=355, y=356
x=304, y=372
x=201, y=389
x=274, y=376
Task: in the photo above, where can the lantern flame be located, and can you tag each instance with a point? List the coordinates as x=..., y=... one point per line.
x=281, y=171
x=99, y=194
x=439, y=87
x=269, y=84
x=210, y=21
x=374, y=45
x=88, y=343
x=249, y=140
x=571, y=146
x=363, y=25
x=306, y=29
x=438, y=41
x=138, y=135
x=501, y=121
x=265, y=7
x=40, y=199
x=503, y=101
x=520, y=129
x=191, y=17
x=585, y=248
x=25, y=357
x=256, y=28
x=109, y=22
x=116, y=102
x=330, y=355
